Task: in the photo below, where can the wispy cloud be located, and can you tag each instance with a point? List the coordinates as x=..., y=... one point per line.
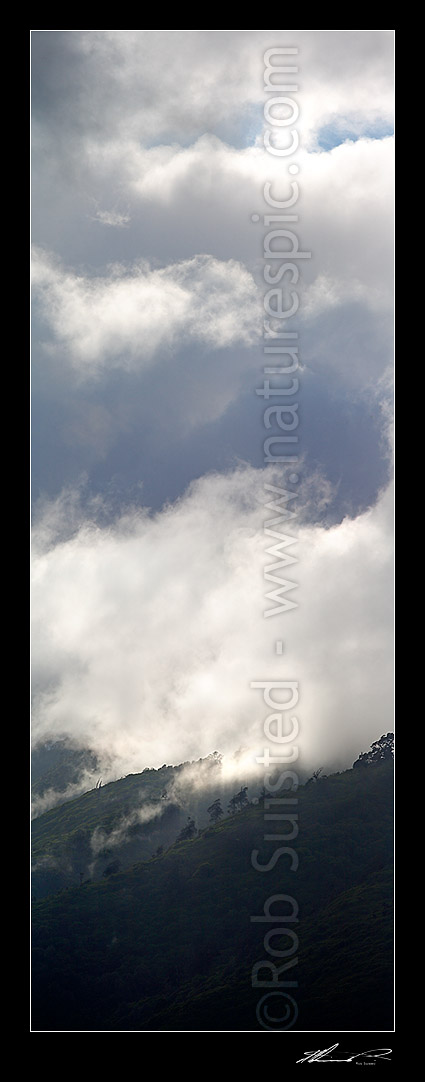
x=128, y=317
x=112, y=218
x=148, y=632
x=101, y=839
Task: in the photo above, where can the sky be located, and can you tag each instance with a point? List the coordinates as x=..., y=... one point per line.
x=153, y=500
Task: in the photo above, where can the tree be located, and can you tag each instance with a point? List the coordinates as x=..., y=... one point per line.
x=215, y=811
x=381, y=751
x=238, y=801
x=215, y=760
x=362, y=760
x=188, y=831
x=242, y=797
x=315, y=775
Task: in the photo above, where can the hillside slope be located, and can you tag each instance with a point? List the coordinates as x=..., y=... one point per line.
x=124, y=821
x=170, y=945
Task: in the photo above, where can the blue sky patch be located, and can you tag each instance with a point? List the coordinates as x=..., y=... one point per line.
x=332, y=135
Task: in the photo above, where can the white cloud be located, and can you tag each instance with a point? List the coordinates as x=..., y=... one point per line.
x=100, y=839
x=209, y=190
x=179, y=157
x=148, y=633
x=145, y=84
x=344, y=208
x=112, y=218
x=151, y=138
x=126, y=318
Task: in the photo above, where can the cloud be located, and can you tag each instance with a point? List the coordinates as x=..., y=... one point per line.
x=128, y=317
x=148, y=632
x=344, y=208
x=148, y=150
x=205, y=193
x=101, y=81
x=112, y=218
x=100, y=838
x=41, y=803
x=116, y=122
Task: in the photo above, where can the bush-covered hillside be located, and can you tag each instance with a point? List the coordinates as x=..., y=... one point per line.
x=125, y=821
x=169, y=944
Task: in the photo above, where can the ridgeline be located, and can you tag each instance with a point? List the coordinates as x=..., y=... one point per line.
x=168, y=943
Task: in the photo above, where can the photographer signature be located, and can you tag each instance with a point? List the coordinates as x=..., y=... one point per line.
x=322, y=1056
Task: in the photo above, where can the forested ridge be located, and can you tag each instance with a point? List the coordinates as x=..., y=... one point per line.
x=168, y=943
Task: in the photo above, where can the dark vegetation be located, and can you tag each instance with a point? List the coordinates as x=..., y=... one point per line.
x=130, y=819
x=168, y=943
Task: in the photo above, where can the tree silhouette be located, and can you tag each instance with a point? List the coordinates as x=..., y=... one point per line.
x=215, y=811
x=238, y=801
x=381, y=751
x=188, y=831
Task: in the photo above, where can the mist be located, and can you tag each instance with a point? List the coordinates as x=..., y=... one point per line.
x=149, y=611
x=149, y=631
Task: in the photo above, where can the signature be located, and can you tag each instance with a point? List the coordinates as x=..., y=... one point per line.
x=322, y=1056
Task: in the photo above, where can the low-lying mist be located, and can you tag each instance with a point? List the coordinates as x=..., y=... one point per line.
x=150, y=630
